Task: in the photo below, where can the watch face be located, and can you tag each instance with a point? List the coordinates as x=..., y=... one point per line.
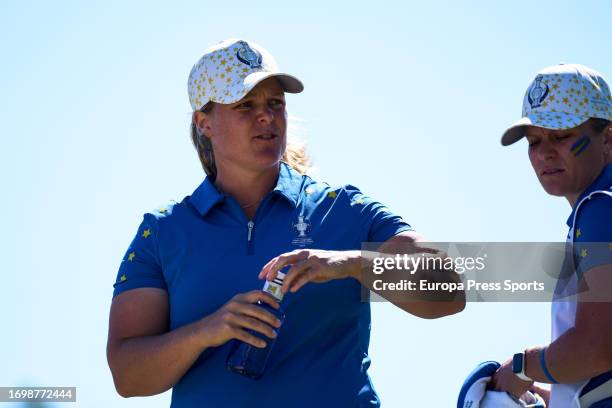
x=517, y=363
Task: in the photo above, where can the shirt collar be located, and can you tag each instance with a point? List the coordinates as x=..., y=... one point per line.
x=602, y=182
x=288, y=185
x=206, y=196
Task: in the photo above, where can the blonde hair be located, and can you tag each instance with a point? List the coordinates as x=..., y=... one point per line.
x=294, y=155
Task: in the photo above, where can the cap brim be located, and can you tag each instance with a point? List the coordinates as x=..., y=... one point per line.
x=289, y=83
x=560, y=121
x=515, y=132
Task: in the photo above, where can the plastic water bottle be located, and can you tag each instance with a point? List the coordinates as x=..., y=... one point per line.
x=250, y=360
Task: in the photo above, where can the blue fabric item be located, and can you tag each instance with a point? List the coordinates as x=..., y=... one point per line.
x=593, y=233
x=486, y=369
x=607, y=403
x=602, y=182
x=475, y=392
x=596, y=382
x=592, y=237
x=203, y=252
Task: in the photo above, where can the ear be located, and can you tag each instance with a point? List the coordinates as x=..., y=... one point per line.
x=202, y=122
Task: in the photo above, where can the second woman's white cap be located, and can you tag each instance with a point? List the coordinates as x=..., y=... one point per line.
x=562, y=97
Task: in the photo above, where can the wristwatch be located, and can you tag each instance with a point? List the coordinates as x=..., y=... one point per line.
x=518, y=366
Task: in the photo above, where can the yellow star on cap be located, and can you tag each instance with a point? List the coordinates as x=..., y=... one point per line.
x=584, y=253
x=332, y=194
x=578, y=233
x=131, y=256
x=123, y=278
x=146, y=233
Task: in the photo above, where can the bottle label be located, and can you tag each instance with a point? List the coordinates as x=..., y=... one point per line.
x=274, y=286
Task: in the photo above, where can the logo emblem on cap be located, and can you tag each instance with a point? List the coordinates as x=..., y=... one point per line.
x=248, y=56
x=537, y=94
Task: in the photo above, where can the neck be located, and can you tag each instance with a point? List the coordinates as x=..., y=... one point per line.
x=247, y=187
x=573, y=198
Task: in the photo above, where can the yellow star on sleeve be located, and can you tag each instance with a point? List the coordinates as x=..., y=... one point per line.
x=131, y=256
x=359, y=201
x=578, y=233
x=584, y=253
x=332, y=194
x=123, y=278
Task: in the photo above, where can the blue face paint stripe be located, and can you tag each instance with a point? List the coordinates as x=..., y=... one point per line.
x=580, y=145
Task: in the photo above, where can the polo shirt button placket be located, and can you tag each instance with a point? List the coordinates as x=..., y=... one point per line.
x=250, y=226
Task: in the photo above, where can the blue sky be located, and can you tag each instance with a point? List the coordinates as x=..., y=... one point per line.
x=406, y=100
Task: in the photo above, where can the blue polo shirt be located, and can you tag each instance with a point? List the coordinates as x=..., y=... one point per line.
x=592, y=233
x=203, y=251
x=592, y=237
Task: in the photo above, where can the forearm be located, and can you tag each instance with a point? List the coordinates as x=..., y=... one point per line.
x=153, y=364
x=575, y=356
x=435, y=300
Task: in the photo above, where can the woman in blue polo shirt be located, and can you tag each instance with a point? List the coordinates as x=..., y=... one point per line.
x=567, y=121
x=191, y=277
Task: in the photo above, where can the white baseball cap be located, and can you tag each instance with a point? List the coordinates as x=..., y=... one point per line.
x=231, y=69
x=562, y=97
